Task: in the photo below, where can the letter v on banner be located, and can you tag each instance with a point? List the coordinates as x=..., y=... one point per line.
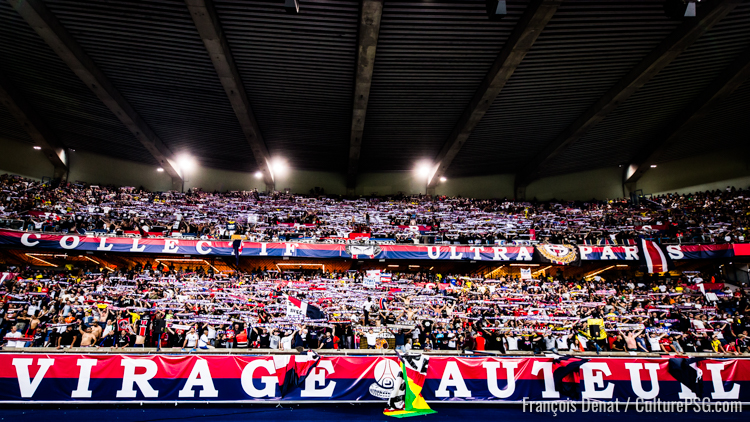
x=653, y=258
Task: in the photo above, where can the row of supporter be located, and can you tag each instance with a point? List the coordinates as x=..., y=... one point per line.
x=156, y=307
x=705, y=217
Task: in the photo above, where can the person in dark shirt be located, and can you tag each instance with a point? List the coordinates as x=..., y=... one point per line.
x=159, y=326
x=326, y=342
x=123, y=340
x=66, y=338
x=264, y=339
x=221, y=341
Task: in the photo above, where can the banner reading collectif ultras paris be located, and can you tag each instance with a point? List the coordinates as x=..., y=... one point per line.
x=146, y=378
x=559, y=254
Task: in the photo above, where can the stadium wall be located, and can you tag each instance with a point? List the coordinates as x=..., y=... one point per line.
x=711, y=171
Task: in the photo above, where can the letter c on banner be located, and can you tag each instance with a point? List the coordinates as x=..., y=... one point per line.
x=64, y=242
x=269, y=382
x=201, y=250
x=25, y=239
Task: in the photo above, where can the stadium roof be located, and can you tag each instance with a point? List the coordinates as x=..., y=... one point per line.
x=556, y=86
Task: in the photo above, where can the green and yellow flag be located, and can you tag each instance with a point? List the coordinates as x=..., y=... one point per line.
x=406, y=399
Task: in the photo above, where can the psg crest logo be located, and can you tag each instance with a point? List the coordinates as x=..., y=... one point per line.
x=559, y=254
x=366, y=250
x=385, y=373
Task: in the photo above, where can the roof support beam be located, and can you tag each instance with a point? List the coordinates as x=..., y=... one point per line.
x=39, y=132
x=41, y=19
x=209, y=28
x=678, y=41
x=729, y=80
x=523, y=37
x=369, y=28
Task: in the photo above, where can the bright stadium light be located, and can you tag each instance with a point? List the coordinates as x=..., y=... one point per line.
x=186, y=162
x=258, y=175
x=443, y=179
x=160, y=169
x=424, y=170
x=279, y=166
x=37, y=148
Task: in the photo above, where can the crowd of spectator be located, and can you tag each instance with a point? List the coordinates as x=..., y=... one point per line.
x=155, y=306
x=705, y=217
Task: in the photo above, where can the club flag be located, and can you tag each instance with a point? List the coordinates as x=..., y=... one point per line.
x=299, y=307
x=406, y=397
x=296, y=370
x=653, y=259
x=567, y=376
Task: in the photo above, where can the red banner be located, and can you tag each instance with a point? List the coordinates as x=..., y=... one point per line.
x=165, y=378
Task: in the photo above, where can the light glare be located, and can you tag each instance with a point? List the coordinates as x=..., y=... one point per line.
x=186, y=162
x=258, y=175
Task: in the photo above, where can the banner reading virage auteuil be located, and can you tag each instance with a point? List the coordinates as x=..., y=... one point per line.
x=559, y=254
x=105, y=378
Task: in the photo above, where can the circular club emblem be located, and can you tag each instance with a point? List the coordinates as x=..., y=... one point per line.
x=561, y=254
x=385, y=373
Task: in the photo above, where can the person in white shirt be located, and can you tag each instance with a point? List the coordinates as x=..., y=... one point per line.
x=14, y=333
x=203, y=341
x=372, y=339
x=191, y=339
x=511, y=342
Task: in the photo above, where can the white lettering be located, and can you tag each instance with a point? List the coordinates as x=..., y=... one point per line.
x=675, y=251
x=263, y=249
x=130, y=379
x=135, y=247
x=318, y=378
x=269, y=382
x=523, y=254
x=84, y=378
x=492, y=368
x=452, y=378
x=585, y=251
x=64, y=242
x=635, y=379
x=200, y=376
x=477, y=252
x=549, y=380
x=103, y=245
x=719, y=391
x=201, y=250
x=607, y=253
x=25, y=239
x=433, y=252
x=591, y=382
x=170, y=246
x=290, y=248
x=631, y=253
x=25, y=384
x=455, y=255
x=499, y=254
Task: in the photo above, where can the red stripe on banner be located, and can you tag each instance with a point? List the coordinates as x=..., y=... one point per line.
x=741, y=249
x=656, y=258
x=706, y=248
